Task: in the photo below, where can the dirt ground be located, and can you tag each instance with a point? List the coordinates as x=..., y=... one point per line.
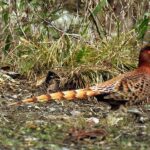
x=68, y=125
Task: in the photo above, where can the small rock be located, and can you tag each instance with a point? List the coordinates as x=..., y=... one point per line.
x=75, y=113
x=52, y=109
x=15, y=96
x=93, y=120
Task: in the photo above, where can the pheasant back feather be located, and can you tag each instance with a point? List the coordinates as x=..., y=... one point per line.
x=132, y=87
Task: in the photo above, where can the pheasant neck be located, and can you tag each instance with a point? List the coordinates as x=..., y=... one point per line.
x=144, y=68
x=144, y=61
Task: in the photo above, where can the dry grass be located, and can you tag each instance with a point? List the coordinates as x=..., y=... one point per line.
x=115, y=55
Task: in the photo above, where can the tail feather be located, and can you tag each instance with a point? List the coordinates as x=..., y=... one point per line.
x=64, y=95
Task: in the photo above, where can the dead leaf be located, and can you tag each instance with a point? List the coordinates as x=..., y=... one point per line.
x=77, y=134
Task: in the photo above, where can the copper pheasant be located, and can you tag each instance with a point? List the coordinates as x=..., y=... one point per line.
x=132, y=87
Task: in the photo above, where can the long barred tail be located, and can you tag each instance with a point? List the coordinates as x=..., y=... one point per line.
x=64, y=95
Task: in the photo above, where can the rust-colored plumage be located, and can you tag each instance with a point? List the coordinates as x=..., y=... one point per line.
x=132, y=87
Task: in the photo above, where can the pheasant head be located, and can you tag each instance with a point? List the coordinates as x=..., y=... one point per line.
x=144, y=59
